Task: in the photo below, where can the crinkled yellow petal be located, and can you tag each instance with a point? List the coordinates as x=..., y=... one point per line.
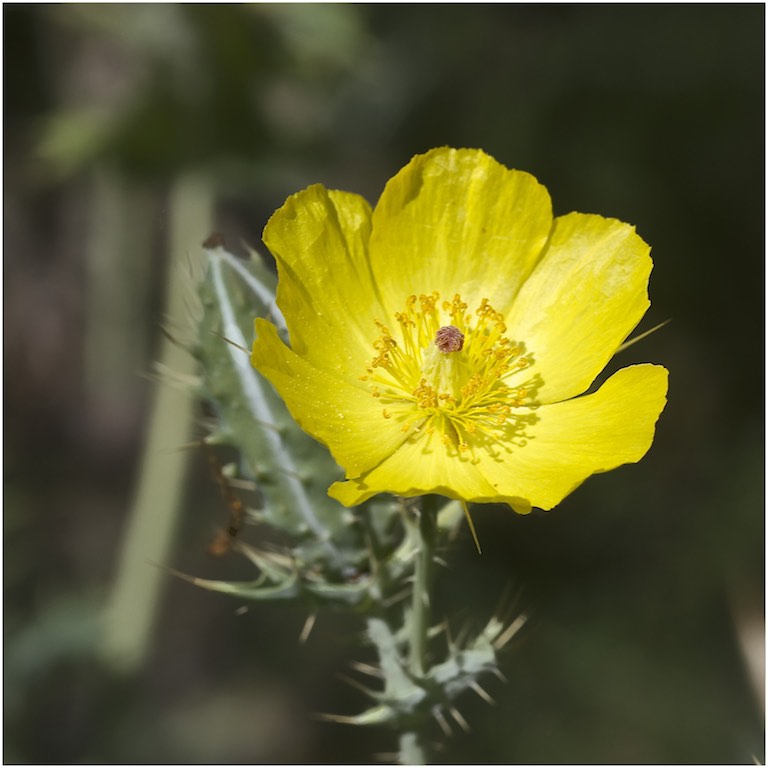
x=420, y=466
x=325, y=289
x=342, y=416
x=586, y=294
x=569, y=442
x=457, y=221
x=575, y=439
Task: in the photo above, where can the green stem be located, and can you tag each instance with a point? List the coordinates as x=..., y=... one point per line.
x=412, y=750
x=420, y=604
x=413, y=743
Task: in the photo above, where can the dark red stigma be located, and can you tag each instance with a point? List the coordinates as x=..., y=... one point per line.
x=449, y=339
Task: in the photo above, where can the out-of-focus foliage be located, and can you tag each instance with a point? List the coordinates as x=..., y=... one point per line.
x=645, y=588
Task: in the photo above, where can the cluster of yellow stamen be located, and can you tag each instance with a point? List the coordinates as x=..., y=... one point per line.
x=449, y=370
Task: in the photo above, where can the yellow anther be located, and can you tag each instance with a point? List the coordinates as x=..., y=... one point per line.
x=446, y=368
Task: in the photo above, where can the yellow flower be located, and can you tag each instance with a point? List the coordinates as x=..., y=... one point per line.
x=442, y=342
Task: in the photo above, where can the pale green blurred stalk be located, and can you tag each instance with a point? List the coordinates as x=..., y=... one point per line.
x=118, y=272
x=130, y=611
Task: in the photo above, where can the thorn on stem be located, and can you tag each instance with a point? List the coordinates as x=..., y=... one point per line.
x=459, y=718
x=496, y=671
x=396, y=598
x=367, y=669
x=306, y=630
x=442, y=722
x=510, y=632
x=483, y=694
x=328, y=718
x=637, y=338
x=471, y=527
x=232, y=343
x=358, y=686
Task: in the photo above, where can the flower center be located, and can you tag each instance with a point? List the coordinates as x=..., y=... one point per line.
x=451, y=371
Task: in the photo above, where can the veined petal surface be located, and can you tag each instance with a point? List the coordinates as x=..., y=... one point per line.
x=577, y=438
x=586, y=294
x=325, y=289
x=457, y=221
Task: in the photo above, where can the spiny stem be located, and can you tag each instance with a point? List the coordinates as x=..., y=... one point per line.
x=412, y=743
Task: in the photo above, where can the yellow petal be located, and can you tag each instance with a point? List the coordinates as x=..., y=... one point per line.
x=569, y=442
x=585, y=296
x=578, y=438
x=457, y=221
x=325, y=290
x=420, y=466
x=344, y=417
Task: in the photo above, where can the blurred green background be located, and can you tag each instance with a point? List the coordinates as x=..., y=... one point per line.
x=645, y=587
